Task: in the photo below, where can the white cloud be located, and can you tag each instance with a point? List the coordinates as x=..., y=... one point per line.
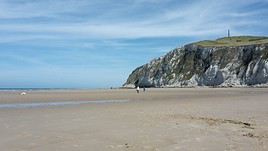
x=48, y=8
x=192, y=19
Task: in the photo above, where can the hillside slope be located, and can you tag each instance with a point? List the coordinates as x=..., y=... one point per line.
x=234, y=61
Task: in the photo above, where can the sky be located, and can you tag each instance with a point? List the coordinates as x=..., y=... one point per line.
x=97, y=43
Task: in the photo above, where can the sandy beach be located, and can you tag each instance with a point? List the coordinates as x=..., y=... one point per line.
x=186, y=119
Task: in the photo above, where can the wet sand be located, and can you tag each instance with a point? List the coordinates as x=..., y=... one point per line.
x=159, y=119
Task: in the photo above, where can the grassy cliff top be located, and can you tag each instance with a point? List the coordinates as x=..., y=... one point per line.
x=233, y=41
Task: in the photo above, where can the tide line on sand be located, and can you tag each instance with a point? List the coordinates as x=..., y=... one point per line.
x=48, y=104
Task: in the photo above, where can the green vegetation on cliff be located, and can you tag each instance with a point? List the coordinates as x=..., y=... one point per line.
x=233, y=41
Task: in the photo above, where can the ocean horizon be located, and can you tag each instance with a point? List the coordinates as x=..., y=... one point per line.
x=39, y=89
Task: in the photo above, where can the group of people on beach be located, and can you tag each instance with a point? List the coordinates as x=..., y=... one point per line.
x=138, y=89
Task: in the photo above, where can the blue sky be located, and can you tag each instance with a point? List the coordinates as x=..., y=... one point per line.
x=97, y=43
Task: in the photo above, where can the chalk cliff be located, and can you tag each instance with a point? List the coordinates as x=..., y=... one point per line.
x=233, y=61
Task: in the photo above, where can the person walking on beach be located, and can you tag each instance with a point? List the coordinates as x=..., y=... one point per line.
x=144, y=89
x=138, y=89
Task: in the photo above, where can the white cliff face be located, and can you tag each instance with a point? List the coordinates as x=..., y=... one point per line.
x=195, y=65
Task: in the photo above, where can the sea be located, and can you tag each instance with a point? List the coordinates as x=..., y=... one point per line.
x=40, y=89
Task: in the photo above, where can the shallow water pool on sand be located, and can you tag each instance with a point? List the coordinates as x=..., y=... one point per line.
x=49, y=104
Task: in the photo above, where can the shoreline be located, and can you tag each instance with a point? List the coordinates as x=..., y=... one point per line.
x=123, y=88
